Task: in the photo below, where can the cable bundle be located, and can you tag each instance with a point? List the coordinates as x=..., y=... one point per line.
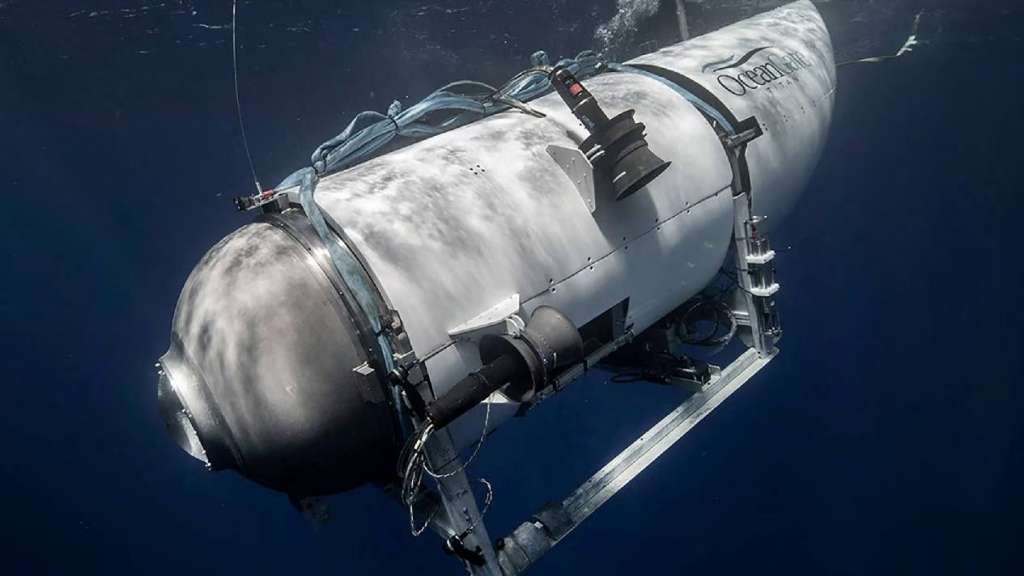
x=447, y=108
x=412, y=463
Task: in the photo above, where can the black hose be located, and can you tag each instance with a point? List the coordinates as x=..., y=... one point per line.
x=473, y=389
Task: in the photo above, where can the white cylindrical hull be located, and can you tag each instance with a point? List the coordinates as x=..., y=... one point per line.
x=456, y=224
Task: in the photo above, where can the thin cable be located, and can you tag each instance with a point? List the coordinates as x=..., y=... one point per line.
x=416, y=532
x=238, y=100
x=479, y=444
x=908, y=46
x=412, y=463
x=733, y=276
x=487, y=504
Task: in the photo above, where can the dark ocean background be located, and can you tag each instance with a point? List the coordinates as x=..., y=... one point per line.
x=888, y=436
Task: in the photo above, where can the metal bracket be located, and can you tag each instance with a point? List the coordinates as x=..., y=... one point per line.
x=555, y=519
x=369, y=388
x=579, y=170
x=501, y=314
x=747, y=131
x=764, y=292
x=756, y=277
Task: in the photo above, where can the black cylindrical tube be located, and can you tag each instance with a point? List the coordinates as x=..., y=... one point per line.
x=578, y=99
x=474, y=389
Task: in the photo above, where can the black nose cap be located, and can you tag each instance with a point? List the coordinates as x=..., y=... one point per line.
x=636, y=170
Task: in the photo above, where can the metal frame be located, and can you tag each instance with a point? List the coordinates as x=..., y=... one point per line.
x=455, y=510
x=533, y=538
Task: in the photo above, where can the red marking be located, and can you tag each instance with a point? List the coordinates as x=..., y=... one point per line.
x=575, y=90
x=269, y=193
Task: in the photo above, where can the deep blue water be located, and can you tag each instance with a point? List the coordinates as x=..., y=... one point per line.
x=888, y=437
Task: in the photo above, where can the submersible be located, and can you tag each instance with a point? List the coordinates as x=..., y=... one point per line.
x=500, y=256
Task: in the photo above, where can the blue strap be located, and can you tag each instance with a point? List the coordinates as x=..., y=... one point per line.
x=348, y=267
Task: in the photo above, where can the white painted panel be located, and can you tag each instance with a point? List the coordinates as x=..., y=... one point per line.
x=456, y=223
x=787, y=80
